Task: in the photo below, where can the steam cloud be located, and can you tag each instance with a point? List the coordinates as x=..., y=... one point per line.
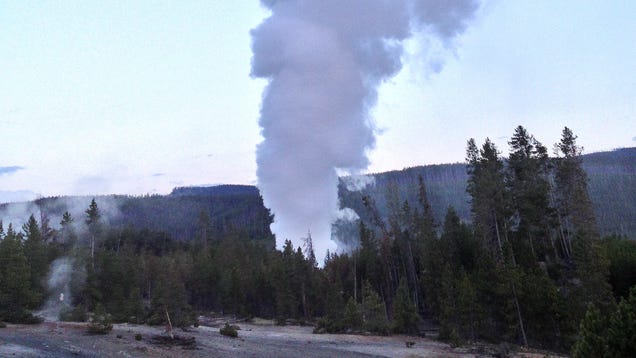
x=324, y=60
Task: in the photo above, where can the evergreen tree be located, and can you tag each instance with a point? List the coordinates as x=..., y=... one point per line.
x=592, y=340
x=16, y=294
x=491, y=208
x=93, y=223
x=368, y=263
x=352, y=316
x=404, y=312
x=588, y=281
x=169, y=297
x=458, y=314
x=36, y=253
x=373, y=311
x=490, y=203
x=621, y=333
x=572, y=197
x=67, y=231
x=527, y=179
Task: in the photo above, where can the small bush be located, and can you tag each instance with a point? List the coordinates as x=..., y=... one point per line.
x=229, y=331
x=138, y=337
x=3, y=325
x=327, y=325
x=101, y=322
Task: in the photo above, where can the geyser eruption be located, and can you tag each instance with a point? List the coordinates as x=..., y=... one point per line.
x=324, y=60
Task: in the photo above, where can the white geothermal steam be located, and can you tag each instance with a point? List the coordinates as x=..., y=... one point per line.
x=324, y=60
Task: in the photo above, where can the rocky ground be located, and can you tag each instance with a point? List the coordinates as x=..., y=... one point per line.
x=256, y=339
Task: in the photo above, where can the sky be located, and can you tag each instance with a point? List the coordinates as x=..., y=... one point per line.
x=137, y=97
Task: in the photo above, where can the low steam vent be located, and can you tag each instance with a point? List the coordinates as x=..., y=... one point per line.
x=324, y=61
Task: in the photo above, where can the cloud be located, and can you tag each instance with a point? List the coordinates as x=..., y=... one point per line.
x=10, y=169
x=158, y=174
x=634, y=139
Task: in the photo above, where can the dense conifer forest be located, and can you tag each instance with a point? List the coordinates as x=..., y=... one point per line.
x=522, y=255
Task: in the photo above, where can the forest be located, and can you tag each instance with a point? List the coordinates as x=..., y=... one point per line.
x=529, y=266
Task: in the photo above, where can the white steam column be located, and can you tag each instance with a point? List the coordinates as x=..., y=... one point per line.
x=324, y=60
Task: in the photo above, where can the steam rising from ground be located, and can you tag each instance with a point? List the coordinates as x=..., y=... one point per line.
x=324, y=60
x=58, y=284
x=60, y=270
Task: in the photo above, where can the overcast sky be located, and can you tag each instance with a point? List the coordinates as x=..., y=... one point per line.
x=138, y=97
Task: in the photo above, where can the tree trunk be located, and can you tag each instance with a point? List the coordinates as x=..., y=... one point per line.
x=523, y=331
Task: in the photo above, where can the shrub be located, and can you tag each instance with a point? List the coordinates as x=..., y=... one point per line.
x=405, y=317
x=329, y=325
x=101, y=322
x=229, y=331
x=3, y=325
x=352, y=317
x=138, y=337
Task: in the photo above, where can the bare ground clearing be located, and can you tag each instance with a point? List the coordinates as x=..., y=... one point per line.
x=56, y=339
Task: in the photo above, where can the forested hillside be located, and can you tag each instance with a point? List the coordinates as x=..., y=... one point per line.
x=612, y=187
x=183, y=214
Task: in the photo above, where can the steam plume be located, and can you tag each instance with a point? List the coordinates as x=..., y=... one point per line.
x=58, y=283
x=324, y=60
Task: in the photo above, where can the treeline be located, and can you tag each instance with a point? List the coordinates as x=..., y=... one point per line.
x=526, y=270
x=612, y=188
x=223, y=209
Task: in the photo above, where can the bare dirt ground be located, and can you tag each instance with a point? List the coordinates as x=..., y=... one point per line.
x=52, y=339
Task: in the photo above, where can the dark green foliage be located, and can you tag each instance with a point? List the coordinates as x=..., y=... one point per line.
x=16, y=291
x=621, y=253
x=592, y=336
x=490, y=202
x=100, y=322
x=3, y=325
x=621, y=333
x=229, y=331
x=613, y=336
x=404, y=312
x=352, y=316
x=169, y=296
x=527, y=180
x=373, y=312
x=138, y=337
x=459, y=307
x=35, y=251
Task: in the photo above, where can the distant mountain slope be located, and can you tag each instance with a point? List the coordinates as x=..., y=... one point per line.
x=613, y=189
x=239, y=208
x=215, y=190
x=612, y=186
x=221, y=210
